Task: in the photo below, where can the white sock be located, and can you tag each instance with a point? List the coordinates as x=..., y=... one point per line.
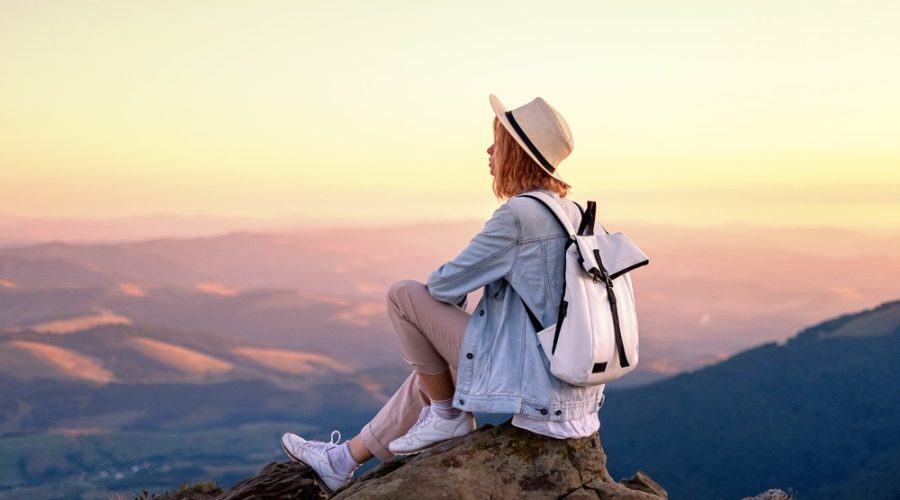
x=445, y=409
x=341, y=459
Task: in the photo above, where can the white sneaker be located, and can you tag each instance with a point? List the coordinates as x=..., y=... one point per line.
x=315, y=455
x=431, y=429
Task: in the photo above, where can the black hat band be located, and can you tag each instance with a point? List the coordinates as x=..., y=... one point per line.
x=537, y=154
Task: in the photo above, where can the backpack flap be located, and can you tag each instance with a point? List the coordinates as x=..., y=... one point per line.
x=609, y=255
x=601, y=254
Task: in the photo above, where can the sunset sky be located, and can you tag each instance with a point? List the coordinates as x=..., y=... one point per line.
x=688, y=112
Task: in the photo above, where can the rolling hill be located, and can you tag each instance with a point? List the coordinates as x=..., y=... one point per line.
x=129, y=353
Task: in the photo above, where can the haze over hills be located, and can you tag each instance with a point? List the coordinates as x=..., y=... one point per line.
x=706, y=294
x=17, y=230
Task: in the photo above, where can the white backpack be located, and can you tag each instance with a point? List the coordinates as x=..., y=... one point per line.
x=595, y=337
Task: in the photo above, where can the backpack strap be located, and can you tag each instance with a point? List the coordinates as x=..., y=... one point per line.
x=535, y=322
x=588, y=215
x=566, y=224
x=580, y=209
x=555, y=208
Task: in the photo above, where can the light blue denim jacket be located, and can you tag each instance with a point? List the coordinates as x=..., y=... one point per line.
x=502, y=368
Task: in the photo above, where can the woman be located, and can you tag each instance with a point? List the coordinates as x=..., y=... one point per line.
x=490, y=361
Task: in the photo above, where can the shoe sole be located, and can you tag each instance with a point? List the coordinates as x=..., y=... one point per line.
x=433, y=445
x=318, y=479
x=414, y=452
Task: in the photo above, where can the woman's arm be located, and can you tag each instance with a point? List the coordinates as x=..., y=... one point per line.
x=489, y=256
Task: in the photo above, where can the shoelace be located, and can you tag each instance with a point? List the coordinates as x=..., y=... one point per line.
x=322, y=445
x=424, y=416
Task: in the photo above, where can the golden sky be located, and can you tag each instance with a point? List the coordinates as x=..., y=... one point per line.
x=687, y=112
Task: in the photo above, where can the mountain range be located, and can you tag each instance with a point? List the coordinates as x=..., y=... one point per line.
x=311, y=290
x=818, y=414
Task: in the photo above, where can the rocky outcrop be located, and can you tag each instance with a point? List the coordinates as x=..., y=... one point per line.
x=277, y=481
x=772, y=495
x=502, y=462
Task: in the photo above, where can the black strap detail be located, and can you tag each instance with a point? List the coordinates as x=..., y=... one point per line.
x=563, y=310
x=531, y=147
x=604, y=229
x=629, y=268
x=535, y=322
x=579, y=207
x=595, y=216
x=599, y=367
x=620, y=344
x=586, y=228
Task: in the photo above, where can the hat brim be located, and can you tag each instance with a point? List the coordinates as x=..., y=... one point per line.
x=500, y=111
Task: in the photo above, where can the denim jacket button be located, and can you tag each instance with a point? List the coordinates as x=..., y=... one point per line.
x=470, y=355
x=559, y=412
x=462, y=401
x=481, y=312
x=543, y=411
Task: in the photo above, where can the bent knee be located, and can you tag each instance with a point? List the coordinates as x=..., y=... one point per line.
x=406, y=287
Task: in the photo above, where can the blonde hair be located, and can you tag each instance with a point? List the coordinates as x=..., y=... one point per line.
x=515, y=172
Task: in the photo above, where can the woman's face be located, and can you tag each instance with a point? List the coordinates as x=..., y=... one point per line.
x=490, y=152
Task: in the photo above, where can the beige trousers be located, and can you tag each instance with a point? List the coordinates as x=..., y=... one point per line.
x=430, y=334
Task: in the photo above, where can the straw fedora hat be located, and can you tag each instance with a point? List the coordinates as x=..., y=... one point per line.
x=541, y=131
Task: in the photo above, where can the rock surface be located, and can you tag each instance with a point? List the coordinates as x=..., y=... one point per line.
x=278, y=481
x=502, y=462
